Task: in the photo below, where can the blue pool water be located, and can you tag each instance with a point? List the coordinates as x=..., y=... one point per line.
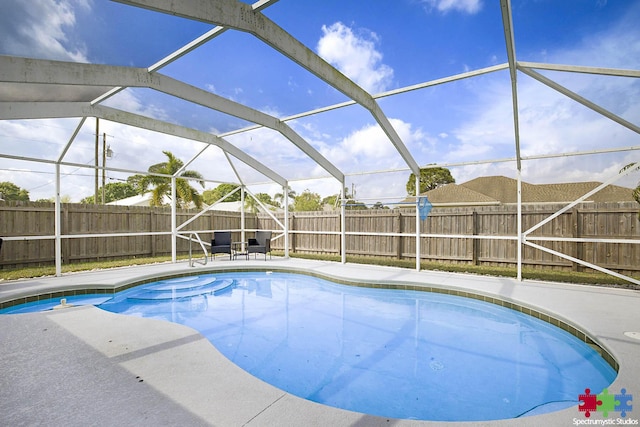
x=392, y=353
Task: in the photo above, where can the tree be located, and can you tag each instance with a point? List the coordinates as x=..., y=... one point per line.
x=307, y=201
x=280, y=197
x=63, y=199
x=265, y=199
x=185, y=193
x=354, y=205
x=138, y=182
x=430, y=178
x=253, y=206
x=11, y=192
x=350, y=202
x=333, y=201
x=636, y=191
x=212, y=196
x=113, y=191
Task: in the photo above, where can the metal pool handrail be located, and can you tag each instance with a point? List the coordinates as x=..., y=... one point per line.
x=206, y=255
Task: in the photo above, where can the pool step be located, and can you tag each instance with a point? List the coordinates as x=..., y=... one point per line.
x=166, y=292
x=184, y=283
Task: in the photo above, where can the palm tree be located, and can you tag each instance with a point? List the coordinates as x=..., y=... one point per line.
x=185, y=193
x=251, y=204
x=280, y=197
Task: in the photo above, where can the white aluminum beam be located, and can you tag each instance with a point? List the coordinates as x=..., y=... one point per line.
x=507, y=24
x=265, y=208
x=24, y=70
x=398, y=91
x=577, y=201
x=443, y=80
x=242, y=17
x=563, y=90
x=187, y=133
x=43, y=110
x=53, y=110
x=57, y=226
x=173, y=56
x=620, y=72
x=215, y=32
x=582, y=262
x=73, y=137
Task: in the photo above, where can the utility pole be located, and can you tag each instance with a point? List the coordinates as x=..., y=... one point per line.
x=95, y=196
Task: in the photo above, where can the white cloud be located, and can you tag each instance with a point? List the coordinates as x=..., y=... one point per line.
x=356, y=56
x=369, y=142
x=445, y=6
x=271, y=110
x=276, y=152
x=44, y=139
x=44, y=28
x=551, y=123
x=369, y=148
x=130, y=100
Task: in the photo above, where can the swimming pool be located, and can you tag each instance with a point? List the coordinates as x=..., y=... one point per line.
x=401, y=354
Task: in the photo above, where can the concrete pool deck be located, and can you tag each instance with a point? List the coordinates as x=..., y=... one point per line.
x=83, y=366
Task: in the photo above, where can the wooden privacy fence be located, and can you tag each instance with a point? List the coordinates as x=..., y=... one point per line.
x=481, y=235
x=151, y=228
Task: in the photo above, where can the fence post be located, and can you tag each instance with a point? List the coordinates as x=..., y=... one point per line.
x=398, y=227
x=152, y=224
x=475, y=247
x=292, y=227
x=576, y=232
x=66, y=229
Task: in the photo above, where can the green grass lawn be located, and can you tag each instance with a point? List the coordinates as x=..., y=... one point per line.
x=590, y=278
x=30, y=272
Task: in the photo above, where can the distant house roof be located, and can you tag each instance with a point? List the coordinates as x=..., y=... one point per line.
x=142, y=200
x=145, y=200
x=137, y=200
x=610, y=193
x=490, y=190
x=237, y=207
x=453, y=193
x=502, y=189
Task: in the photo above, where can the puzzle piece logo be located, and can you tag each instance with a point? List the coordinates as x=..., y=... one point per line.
x=605, y=403
x=589, y=402
x=624, y=403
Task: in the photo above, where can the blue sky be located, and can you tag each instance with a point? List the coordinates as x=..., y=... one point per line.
x=381, y=45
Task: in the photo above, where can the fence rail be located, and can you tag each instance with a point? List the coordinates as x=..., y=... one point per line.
x=95, y=232
x=479, y=236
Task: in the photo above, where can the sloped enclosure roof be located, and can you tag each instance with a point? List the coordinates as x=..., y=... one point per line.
x=319, y=94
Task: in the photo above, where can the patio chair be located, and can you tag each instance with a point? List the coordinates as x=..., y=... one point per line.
x=261, y=244
x=221, y=243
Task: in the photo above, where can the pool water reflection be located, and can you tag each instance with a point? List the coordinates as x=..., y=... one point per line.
x=393, y=353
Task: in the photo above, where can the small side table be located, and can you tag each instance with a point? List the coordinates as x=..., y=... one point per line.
x=240, y=249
